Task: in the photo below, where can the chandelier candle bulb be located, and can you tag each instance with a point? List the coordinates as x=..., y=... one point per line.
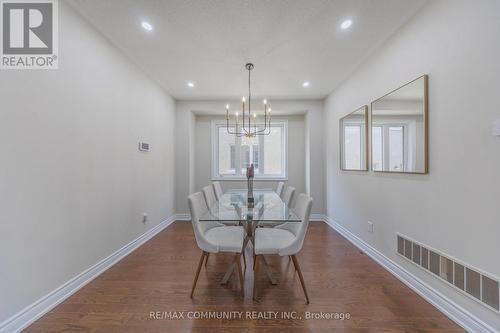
x=243, y=110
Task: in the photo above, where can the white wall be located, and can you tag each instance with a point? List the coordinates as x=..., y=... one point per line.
x=73, y=185
x=455, y=208
x=193, y=148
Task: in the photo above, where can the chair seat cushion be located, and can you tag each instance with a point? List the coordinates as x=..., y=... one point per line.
x=227, y=239
x=270, y=240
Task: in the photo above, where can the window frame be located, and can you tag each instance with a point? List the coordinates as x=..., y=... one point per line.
x=216, y=124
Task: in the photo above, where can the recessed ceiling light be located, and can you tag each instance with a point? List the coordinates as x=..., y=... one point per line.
x=190, y=84
x=306, y=84
x=147, y=26
x=346, y=24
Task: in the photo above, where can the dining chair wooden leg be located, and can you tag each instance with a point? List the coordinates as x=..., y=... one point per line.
x=297, y=268
x=203, y=255
x=256, y=271
x=240, y=273
x=254, y=262
x=244, y=261
x=206, y=260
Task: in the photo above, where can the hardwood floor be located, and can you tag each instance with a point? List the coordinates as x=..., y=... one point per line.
x=158, y=277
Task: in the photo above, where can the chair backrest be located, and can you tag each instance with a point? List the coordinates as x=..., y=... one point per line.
x=288, y=195
x=279, y=189
x=303, y=211
x=198, y=208
x=217, y=190
x=208, y=192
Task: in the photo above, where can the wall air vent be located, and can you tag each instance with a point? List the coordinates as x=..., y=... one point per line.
x=472, y=282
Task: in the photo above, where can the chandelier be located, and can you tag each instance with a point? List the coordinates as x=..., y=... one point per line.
x=248, y=126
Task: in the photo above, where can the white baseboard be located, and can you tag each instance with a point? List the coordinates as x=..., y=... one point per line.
x=318, y=217
x=28, y=315
x=452, y=310
x=183, y=217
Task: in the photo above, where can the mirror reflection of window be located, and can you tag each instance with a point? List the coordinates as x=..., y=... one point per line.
x=396, y=148
x=377, y=148
x=353, y=145
x=398, y=124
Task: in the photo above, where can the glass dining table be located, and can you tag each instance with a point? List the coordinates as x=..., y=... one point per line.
x=267, y=210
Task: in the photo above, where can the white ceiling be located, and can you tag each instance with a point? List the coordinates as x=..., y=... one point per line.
x=208, y=41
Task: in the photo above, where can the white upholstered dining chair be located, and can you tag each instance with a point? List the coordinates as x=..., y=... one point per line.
x=209, y=194
x=284, y=240
x=288, y=195
x=287, y=198
x=279, y=188
x=217, y=190
x=214, y=237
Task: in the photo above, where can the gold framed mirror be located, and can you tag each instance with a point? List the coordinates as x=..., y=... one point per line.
x=399, y=129
x=354, y=140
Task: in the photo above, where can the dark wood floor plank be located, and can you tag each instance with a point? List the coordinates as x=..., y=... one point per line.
x=158, y=277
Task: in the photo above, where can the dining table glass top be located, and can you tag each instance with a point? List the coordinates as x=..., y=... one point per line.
x=233, y=206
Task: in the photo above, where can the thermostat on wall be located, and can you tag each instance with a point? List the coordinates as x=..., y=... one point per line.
x=143, y=146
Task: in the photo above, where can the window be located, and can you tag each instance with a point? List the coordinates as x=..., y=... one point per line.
x=231, y=155
x=255, y=159
x=227, y=152
x=249, y=153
